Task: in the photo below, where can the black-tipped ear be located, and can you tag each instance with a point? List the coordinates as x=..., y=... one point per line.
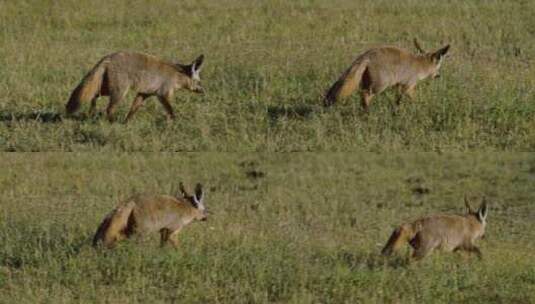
x=198, y=192
x=442, y=52
x=467, y=205
x=197, y=63
x=182, y=190
x=483, y=211
x=418, y=47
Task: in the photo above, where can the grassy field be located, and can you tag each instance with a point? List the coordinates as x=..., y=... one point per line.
x=284, y=228
x=267, y=65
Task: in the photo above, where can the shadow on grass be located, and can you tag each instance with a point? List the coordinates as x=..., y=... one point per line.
x=355, y=260
x=46, y=116
x=298, y=111
x=40, y=116
x=85, y=117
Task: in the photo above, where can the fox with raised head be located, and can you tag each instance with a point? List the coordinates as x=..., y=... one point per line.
x=143, y=213
x=441, y=231
x=380, y=68
x=147, y=75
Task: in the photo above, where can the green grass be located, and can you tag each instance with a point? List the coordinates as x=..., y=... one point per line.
x=267, y=65
x=283, y=228
x=307, y=230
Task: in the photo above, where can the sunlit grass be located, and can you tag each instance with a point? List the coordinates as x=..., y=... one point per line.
x=267, y=66
x=300, y=228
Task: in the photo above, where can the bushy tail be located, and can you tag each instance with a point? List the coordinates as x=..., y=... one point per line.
x=347, y=83
x=115, y=226
x=400, y=236
x=88, y=88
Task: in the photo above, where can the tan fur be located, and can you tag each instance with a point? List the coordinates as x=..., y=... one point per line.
x=145, y=213
x=380, y=68
x=440, y=231
x=147, y=75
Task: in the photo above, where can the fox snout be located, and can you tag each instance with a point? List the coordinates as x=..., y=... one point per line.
x=195, y=87
x=199, y=90
x=204, y=215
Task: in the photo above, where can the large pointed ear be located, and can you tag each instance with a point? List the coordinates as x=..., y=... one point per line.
x=199, y=195
x=182, y=190
x=441, y=53
x=418, y=47
x=483, y=211
x=467, y=204
x=196, y=65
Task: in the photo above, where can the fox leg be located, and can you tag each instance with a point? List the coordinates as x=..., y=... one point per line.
x=421, y=246
x=164, y=236
x=104, y=91
x=111, y=108
x=136, y=104
x=405, y=90
x=114, y=100
x=93, y=107
x=410, y=92
x=421, y=252
x=173, y=238
x=474, y=249
x=115, y=97
x=400, y=96
x=164, y=100
x=366, y=99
